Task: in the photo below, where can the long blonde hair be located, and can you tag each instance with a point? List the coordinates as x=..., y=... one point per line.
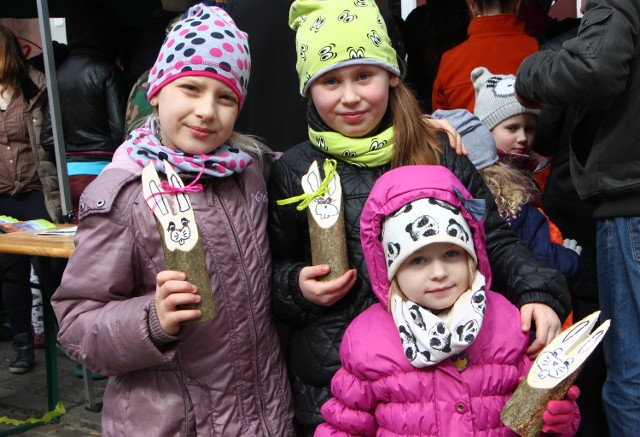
x=510, y=188
x=416, y=143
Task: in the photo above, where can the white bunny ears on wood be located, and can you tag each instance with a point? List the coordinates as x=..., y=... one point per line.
x=552, y=373
x=179, y=233
x=323, y=200
x=326, y=221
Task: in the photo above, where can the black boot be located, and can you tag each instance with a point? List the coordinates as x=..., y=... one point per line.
x=23, y=345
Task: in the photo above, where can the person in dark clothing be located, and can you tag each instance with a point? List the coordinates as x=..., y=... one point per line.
x=28, y=183
x=574, y=218
x=273, y=94
x=598, y=73
x=93, y=94
x=431, y=30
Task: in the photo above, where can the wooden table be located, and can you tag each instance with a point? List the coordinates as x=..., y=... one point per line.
x=56, y=246
x=32, y=243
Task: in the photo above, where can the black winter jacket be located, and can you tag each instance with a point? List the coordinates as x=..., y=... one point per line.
x=315, y=332
x=598, y=71
x=93, y=96
x=93, y=90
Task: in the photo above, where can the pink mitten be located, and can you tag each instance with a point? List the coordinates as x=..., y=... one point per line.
x=560, y=414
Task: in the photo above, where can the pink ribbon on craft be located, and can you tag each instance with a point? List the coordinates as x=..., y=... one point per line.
x=169, y=189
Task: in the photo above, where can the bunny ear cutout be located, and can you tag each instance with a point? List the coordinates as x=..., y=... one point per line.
x=325, y=193
x=172, y=209
x=567, y=352
x=551, y=376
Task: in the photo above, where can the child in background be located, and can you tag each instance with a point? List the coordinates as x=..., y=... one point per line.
x=440, y=354
x=119, y=308
x=515, y=194
x=512, y=125
x=362, y=115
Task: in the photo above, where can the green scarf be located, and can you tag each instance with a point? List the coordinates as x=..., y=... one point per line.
x=365, y=152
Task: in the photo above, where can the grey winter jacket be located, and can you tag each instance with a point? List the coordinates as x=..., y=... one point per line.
x=598, y=71
x=221, y=377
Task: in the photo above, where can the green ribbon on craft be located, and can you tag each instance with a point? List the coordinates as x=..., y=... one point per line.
x=364, y=152
x=305, y=199
x=58, y=411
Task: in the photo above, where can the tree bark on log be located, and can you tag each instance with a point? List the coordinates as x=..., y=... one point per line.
x=523, y=411
x=193, y=264
x=328, y=246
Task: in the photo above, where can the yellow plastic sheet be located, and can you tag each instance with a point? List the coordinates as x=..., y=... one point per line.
x=58, y=411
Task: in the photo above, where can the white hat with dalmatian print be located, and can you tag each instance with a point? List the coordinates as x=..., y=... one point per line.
x=495, y=97
x=420, y=223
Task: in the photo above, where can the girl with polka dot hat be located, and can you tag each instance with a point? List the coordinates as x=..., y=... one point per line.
x=122, y=312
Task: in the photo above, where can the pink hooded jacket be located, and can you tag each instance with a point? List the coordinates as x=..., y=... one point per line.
x=377, y=391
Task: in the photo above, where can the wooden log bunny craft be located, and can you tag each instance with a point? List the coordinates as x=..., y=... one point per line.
x=323, y=201
x=552, y=373
x=179, y=234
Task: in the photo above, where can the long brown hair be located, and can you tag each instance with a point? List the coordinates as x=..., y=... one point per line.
x=14, y=68
x=416, y=143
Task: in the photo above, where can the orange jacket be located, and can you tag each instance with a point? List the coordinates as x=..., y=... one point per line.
x=497, y=42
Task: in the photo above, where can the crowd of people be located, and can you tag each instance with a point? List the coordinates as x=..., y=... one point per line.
x=487, y=176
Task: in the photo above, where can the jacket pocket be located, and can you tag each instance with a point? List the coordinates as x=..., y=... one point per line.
x=592, y=33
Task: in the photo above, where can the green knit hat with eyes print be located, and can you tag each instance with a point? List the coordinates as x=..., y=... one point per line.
x=335, y=33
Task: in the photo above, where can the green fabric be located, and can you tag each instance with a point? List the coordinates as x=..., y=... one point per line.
x=366, y=152
x=333, y=34
x=305, y=199
x=138, y=107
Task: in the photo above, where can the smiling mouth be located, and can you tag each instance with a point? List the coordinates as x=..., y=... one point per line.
x=202, y=130
x=440, y=289
x=350, y=115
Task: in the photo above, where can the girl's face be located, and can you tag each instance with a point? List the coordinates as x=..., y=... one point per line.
x=352, y=100
x=516, y=134
x=196, y=114
x=435, y=276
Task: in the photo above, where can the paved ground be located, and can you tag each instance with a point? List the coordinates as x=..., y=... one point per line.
x=23, y=396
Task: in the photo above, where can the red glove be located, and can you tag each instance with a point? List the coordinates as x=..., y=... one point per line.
x=559, y=415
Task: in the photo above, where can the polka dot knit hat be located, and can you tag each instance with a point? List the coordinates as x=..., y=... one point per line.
x=205, y=42
x=331, y=34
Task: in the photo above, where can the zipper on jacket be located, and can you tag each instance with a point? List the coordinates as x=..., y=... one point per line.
x=253, y=321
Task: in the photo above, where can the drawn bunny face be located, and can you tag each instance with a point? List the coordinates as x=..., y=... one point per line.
x=551, y=365
x=324, y=206
x=173, y=211
x=179, y=235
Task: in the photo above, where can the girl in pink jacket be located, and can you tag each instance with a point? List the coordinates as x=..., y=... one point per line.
x=441, y=354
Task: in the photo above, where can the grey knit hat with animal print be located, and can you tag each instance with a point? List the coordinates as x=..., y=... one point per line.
x=495, y=97
x=420, y=223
